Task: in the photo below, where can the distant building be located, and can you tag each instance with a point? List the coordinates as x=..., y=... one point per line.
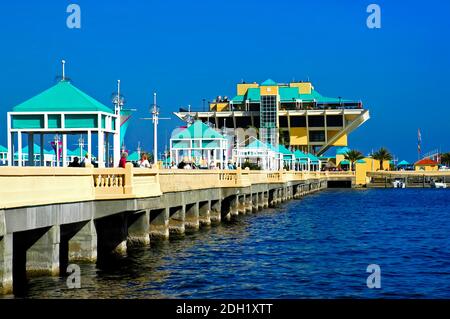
x=294, y=113
x=427, y=165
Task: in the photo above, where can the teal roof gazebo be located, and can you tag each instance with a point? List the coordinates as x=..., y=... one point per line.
x=199, y=143
x=64, y=110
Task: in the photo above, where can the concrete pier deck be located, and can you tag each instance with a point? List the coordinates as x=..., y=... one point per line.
x=50, y=217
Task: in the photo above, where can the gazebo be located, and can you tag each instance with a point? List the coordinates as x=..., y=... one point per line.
x=63, y=110
x=404, y=165
x=264, y=155
x=288, y=156
x=3, y=155
x=200, y=144
x=302, y=160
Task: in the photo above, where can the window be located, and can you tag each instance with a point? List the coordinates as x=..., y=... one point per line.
x=268, y=118
x=317, y=136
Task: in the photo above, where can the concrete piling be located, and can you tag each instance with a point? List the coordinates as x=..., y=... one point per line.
x=159, y=224
x=139, y=229
x=176, y=220
x=204, y=213
x=191, y=219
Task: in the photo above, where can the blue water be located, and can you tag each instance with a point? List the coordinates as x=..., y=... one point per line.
x=316, y=247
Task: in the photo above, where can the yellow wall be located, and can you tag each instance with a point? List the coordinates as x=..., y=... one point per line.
x=426, y=168
x=303, y=88
x=339, y=158
x=342, y=141
x=374, y=165
x=243, y=87
x=361, y=173
x=269, y=90
x=298, y=136
x=218, y=107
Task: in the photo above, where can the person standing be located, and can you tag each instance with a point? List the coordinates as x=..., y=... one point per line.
x=123, y=159
x=144, y=163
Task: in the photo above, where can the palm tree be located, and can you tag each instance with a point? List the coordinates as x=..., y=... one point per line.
x=382, y=155
x=353, y=156
x=445, y=159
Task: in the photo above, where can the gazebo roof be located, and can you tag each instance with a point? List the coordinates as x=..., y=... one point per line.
x=62, y=97
x=198, y=130
x=258, y=145
x=36, y=150
x=299, y=154
x=345, y=162
x=3, y=149
x=133, y=156
x=403, y=163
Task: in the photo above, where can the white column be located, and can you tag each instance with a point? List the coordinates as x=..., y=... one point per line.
x=10, y=143
x=116, y=151
x=89, y=144
x=64, y=150
x=100, y=153
x=31, y=150
x=41, y=155
x=19, y=146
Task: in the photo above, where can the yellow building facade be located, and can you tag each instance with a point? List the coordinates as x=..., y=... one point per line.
x=294, y=114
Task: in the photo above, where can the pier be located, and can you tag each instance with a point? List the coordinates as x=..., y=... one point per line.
x=50, y=217
x=412, y=179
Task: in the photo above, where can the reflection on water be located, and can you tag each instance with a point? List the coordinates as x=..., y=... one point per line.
x=317, y=247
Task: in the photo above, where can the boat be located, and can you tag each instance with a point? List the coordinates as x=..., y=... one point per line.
x=399, y=183
x=438, y=184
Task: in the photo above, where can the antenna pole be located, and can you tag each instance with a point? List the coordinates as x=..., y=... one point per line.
x=155, y=130
x=63, y=62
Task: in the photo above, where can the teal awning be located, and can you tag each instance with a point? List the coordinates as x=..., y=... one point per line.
x=238, y=99
x=403, y=163
x=342, y=150
x=3, y=149
x=361, y=161
x=345, y=162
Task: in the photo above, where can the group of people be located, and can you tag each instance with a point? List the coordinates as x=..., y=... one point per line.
x=76, y=162
x=191, y=165
x=142, y=163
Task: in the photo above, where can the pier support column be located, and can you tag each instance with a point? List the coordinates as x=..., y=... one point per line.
x=241, y=205
x=248, y=203
x=272, y=198
x=204, y=215
x=6, y=261
x=215, y=214
x=191, y=219
x=260, y=201
x=176, y=220
x=279, y=196
x=42, y=258
x=266, y=199
x=254, y=202
x=234, y=205
x=225, y=209
x=112, y=233
x=159, y=224
x=138, y=229
x=83, y=244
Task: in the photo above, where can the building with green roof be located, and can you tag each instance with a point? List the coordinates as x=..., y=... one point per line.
x=266, y=156
x=294, y=112
x=198, y=143
x=61, y=111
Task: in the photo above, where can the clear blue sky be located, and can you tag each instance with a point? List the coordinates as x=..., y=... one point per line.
x=190, y=50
